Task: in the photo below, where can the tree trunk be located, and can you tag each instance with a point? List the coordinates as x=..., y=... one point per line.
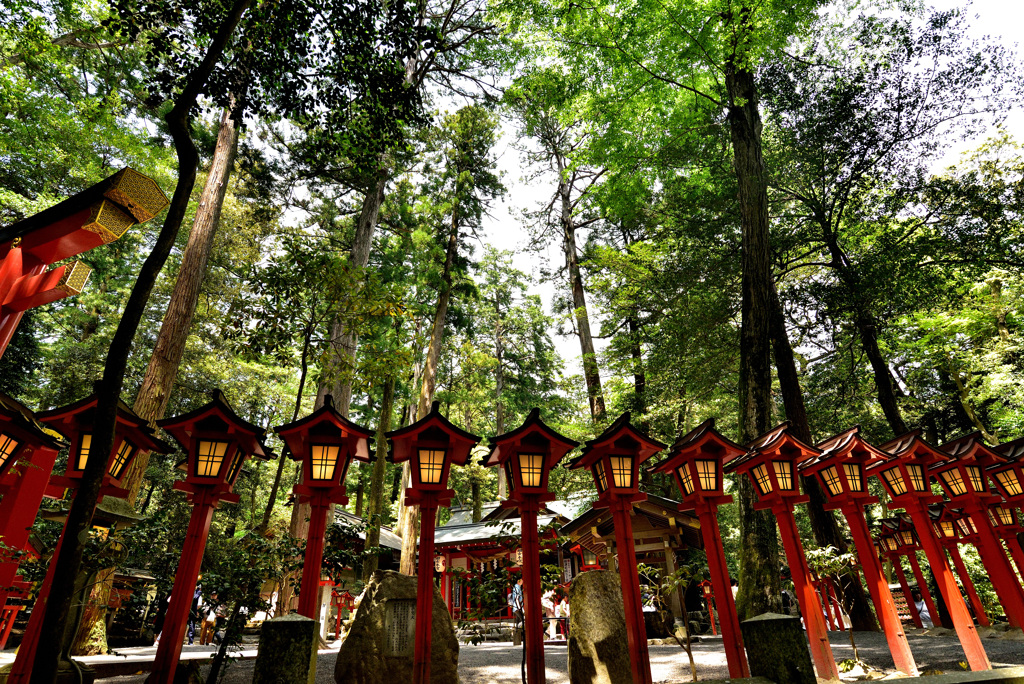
x=68, y=562
x=499, y=388
x=344, y=338
x=375, y=506
x=885, y=384
x=964, y=395
x=304, y=366
x=591, y=372
x=170, y=347
x=639, y=375
x=759, y=544
x=823, y=523
x=410, y=514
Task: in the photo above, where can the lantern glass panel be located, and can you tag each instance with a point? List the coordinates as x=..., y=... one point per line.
x=685, y=480
x=762, y=479
x=974, y=528
x=600, y=477
x=948, y=529
x=8, y=446
x=1004, y=515
x=589, y=557
x=1009, y=481
x=431, y=465
x=977, y=479
x=84, y=447
x=917, y=478
x=854, y=476
x=509, y=477
x=907, y=537
x=894, y=478
x=210, y=459
x=992, y=518
x=622, y=471
x=831, y=478
x=707, y=473
x=531, y=468
x=323, y=461
x=784, y=474
x=954, y=482
x=964, y=527
x=889, y=543
x=236, y=465
x=124, y=454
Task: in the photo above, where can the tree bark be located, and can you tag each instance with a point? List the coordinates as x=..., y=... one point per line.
x=69, y=561
x=759, y=590
x=375, y=506
x=170, y=347
x=591, y=373
x=344, y=337
x=823, y=523
x=410, y=514
x=499, y=388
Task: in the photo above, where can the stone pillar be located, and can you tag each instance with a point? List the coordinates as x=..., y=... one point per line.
x=777, y=649
x=287, y=651
x=598, y=650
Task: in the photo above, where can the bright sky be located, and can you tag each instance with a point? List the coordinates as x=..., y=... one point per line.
x=504, y=229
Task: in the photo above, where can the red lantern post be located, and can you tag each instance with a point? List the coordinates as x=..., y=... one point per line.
x=708, y=589
x=902, y=532
x=905, y=478
x=696, y=461
x=216, y=442
x=965, y=482
x=614, y=459
x=325, y=442
x=771, y=464
x=93, y=217
x=432, y=444
x=528, y=454
x=1004, y=520
x=75, y=422
x=27, y=455
x=944, y=522
x=840, y=467
x=887, y=546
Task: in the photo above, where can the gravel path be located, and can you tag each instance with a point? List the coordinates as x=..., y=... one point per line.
x=500, y=663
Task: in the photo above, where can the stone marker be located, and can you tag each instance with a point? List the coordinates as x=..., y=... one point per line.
x=777, y=649
x=598, y=650
x=379, y=645
x=287, y=651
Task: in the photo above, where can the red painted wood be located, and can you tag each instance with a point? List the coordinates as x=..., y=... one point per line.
x=21, y=671
x=185, y=579
x=18, y=507
x=878, y=589
x=636, y=632
x=911, y=605
x=1017, y=552
x=7, y=616
x=922, y=586
x=732, y=637
x=810, y=607
x=533, y=617
x=1004, y=579
x=968, y=585
x=425, y=589
x=35, y=290
x=309, y=595
x=962, y=622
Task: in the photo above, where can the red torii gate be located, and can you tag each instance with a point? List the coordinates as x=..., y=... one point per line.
x=96, y=216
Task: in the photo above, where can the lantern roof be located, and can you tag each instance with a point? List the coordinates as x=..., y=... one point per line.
x=533, y=430
x=704, y=439
x=847, y=445
x=80, y=416
x=621, y=434
x=325, y=421
x=217, y=416
x=24, y=420
x=433, y=427
x=912, y=446
x=1013, y=450
x=973, y=448
x=779, y=442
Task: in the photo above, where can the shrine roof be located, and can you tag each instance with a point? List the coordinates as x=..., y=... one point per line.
x=1013, y=450
x=972, y=446
x=26, y=419
x=621, y=424
x=774, y=439
x=843, y=443
x=533, y=423
x=655, y=509
x=388, y=539
x=490, y=531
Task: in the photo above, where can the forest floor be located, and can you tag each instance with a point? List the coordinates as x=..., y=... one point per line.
x=500, y=663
